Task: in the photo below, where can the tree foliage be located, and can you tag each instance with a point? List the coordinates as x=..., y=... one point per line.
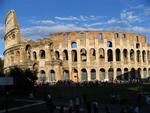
x=24, y=80
x=1, y=67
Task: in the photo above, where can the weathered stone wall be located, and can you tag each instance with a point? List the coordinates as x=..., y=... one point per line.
x=81, y=55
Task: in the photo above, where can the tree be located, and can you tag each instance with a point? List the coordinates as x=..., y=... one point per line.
x=24, y=80
x=1, y=67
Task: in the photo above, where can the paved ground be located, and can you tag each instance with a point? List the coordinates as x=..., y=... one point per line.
x=41, y=108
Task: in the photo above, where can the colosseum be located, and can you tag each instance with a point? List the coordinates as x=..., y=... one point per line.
x=78, y=55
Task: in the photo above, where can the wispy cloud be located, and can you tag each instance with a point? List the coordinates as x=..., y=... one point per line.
x=129, y=16
x=70, y=18
x=79, y=18
x=37, y=32
x=43, y=22
x=2, y=31
x=147, y=11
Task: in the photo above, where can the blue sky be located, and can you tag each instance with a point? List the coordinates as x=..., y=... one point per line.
x=39, y=18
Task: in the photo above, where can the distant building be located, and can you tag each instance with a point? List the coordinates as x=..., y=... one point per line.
x=79, y=55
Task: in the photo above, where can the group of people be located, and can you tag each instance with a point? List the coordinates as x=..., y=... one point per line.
x=87, y=106
x=89, y=83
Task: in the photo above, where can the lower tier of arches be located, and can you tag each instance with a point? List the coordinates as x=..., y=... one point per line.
x=102, y=74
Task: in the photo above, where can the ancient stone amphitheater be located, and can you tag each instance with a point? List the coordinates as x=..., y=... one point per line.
x=78, y=55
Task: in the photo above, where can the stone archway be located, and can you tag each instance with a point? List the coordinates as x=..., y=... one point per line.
x=75, y=77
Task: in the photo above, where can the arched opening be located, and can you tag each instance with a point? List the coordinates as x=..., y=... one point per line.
x=92, y=54
x=139, y=73
x=137, y=38
x=101, y=54
x=109, y=44
x=125, y=55
x=133, y=74
x=42, y=76
x=83, y=55
x=93, y=74
x=66, y=75
x=138, y=56
x=123, y=35
x=13, y=36
x=84, y=76
x=102, y=74
x=28, y=51
x=75, y=75
x=148, y=56
x=119, y=74
x=82, y=34
x=137, y=45
x=126, y=74
x=35, y=67
x=144, y=56
x=118, y=55
x=74, y=55
x=52, y=76
x=34, y=55
x=149, y=72
x=65, y=55
x=100, y=36
x=116, y=35
x=111, y=74
x=56, y=55
x=73, y=45
x=12, y=60
x=18, y=56
x=110, y=55
x=132, y=55
x=42, y=54
x=144, y=72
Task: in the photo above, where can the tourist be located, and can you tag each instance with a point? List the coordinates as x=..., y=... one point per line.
x=61, y=110
x=95, y=107
x=71, y=106
x=122, y=110
x=107, y=109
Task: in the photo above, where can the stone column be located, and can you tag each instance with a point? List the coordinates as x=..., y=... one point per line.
x=106, y=74
x=121, y=55
x=106, y=57
x=115, y=73
x=89, y=74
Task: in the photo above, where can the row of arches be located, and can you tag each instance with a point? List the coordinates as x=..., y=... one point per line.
x=52, y=75
x=124, y=74
x=140, y=55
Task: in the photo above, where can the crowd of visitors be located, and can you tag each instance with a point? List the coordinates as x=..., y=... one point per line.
x=84, y=104
x=87, y=106
x=92, y=83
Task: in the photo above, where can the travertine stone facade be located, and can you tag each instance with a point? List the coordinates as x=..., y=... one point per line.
x=79, y=56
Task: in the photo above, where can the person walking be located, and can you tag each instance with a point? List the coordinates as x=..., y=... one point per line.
x=71, y=106
x=95, y=107
x=61, y=110
x=107, y=109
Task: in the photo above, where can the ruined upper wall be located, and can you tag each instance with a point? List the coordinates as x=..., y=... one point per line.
x=118, y=38
x=11, y=21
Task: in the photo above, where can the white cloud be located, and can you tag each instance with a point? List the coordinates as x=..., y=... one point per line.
x=2, y=31
x=128, y=15
x=93, y=24
x=140, y=6
x=70, y=18
x=1, y=56
x=37, y=32
x=43, y=22
x=147, y=11
x=140, y=29
x=80, y=18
